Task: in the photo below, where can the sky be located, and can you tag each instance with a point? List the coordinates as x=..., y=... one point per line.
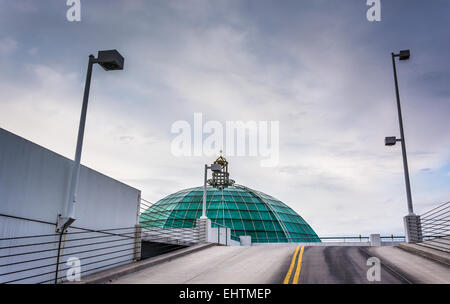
x=319, y=67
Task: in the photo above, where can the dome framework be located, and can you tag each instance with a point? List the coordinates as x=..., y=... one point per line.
x=245, y=211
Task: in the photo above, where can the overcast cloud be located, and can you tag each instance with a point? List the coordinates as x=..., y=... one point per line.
x=317, y=66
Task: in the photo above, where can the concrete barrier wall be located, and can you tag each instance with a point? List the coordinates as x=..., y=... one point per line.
x=220, y=235
x=34, y=184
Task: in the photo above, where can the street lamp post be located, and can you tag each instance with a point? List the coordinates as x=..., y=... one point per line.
x=215, y=168
x=403, y=55
x=411, y=221
x=109, y=60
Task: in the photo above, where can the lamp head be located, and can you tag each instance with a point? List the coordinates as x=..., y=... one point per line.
x=110, y=60
x=404, y=55
x=390, y=141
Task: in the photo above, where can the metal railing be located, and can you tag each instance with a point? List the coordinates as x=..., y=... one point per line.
x=160, y=225
x=325, y=239
x=435, y=227
x=47, y=258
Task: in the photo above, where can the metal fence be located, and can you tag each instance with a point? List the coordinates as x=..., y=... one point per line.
x=48, y=258
x=330, y=239
x=158, y=227
x=435, y=226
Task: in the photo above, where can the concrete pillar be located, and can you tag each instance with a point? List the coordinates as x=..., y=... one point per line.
x=246, y=240
x=375, y=240
x=137, y=242
x=413, y=228
x=203, y=229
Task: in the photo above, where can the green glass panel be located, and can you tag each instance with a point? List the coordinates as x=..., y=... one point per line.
x=213, y=205
x=217, y=198
x=183, y=206
x=227, y=214
x=259, y=225
x=256, y=216
x=262, y=207
x=265, y=216
x=269, y=226
x=234, y=214
x=245, y=215
x=231, y=205
x=194, y=205
x=229, y=223
x=248, y=225
x=238, y=225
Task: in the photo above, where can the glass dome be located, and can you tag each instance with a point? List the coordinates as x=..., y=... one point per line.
x=245, y=211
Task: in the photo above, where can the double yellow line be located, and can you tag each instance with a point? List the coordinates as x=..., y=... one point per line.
x=291, y=267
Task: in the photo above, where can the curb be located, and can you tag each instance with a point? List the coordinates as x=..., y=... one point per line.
x=434, y=254
x=120, y=271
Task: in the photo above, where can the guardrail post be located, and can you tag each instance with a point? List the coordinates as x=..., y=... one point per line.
x=58, y=257
x=413, y=229
x=137, y=242
x=245, y=240
x=375, y=240
x=226, y=236
x=203, y=229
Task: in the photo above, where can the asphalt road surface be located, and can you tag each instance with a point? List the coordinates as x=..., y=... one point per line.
x=293, y=264
x=341, y=265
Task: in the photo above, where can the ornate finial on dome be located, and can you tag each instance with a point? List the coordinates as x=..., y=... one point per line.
x=222, y=161
x=221, y=179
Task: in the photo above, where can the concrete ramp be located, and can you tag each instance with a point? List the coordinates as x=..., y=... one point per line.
x=220, y=264
x=292, y=264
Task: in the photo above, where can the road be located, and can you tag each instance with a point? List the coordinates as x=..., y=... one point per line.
x=341, y=265
x=292, y=264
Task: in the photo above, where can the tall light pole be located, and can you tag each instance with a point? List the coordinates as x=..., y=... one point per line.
x=403, y=55
x=411, y=221
x=109, y=60
x=215, y=168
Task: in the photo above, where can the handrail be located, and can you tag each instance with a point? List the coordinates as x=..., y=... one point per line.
x=435, y=227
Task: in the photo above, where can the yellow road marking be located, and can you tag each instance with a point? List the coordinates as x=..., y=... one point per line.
x=299, y=266
x=288, y=274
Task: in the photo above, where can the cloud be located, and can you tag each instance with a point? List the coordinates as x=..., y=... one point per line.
x=7, y=45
